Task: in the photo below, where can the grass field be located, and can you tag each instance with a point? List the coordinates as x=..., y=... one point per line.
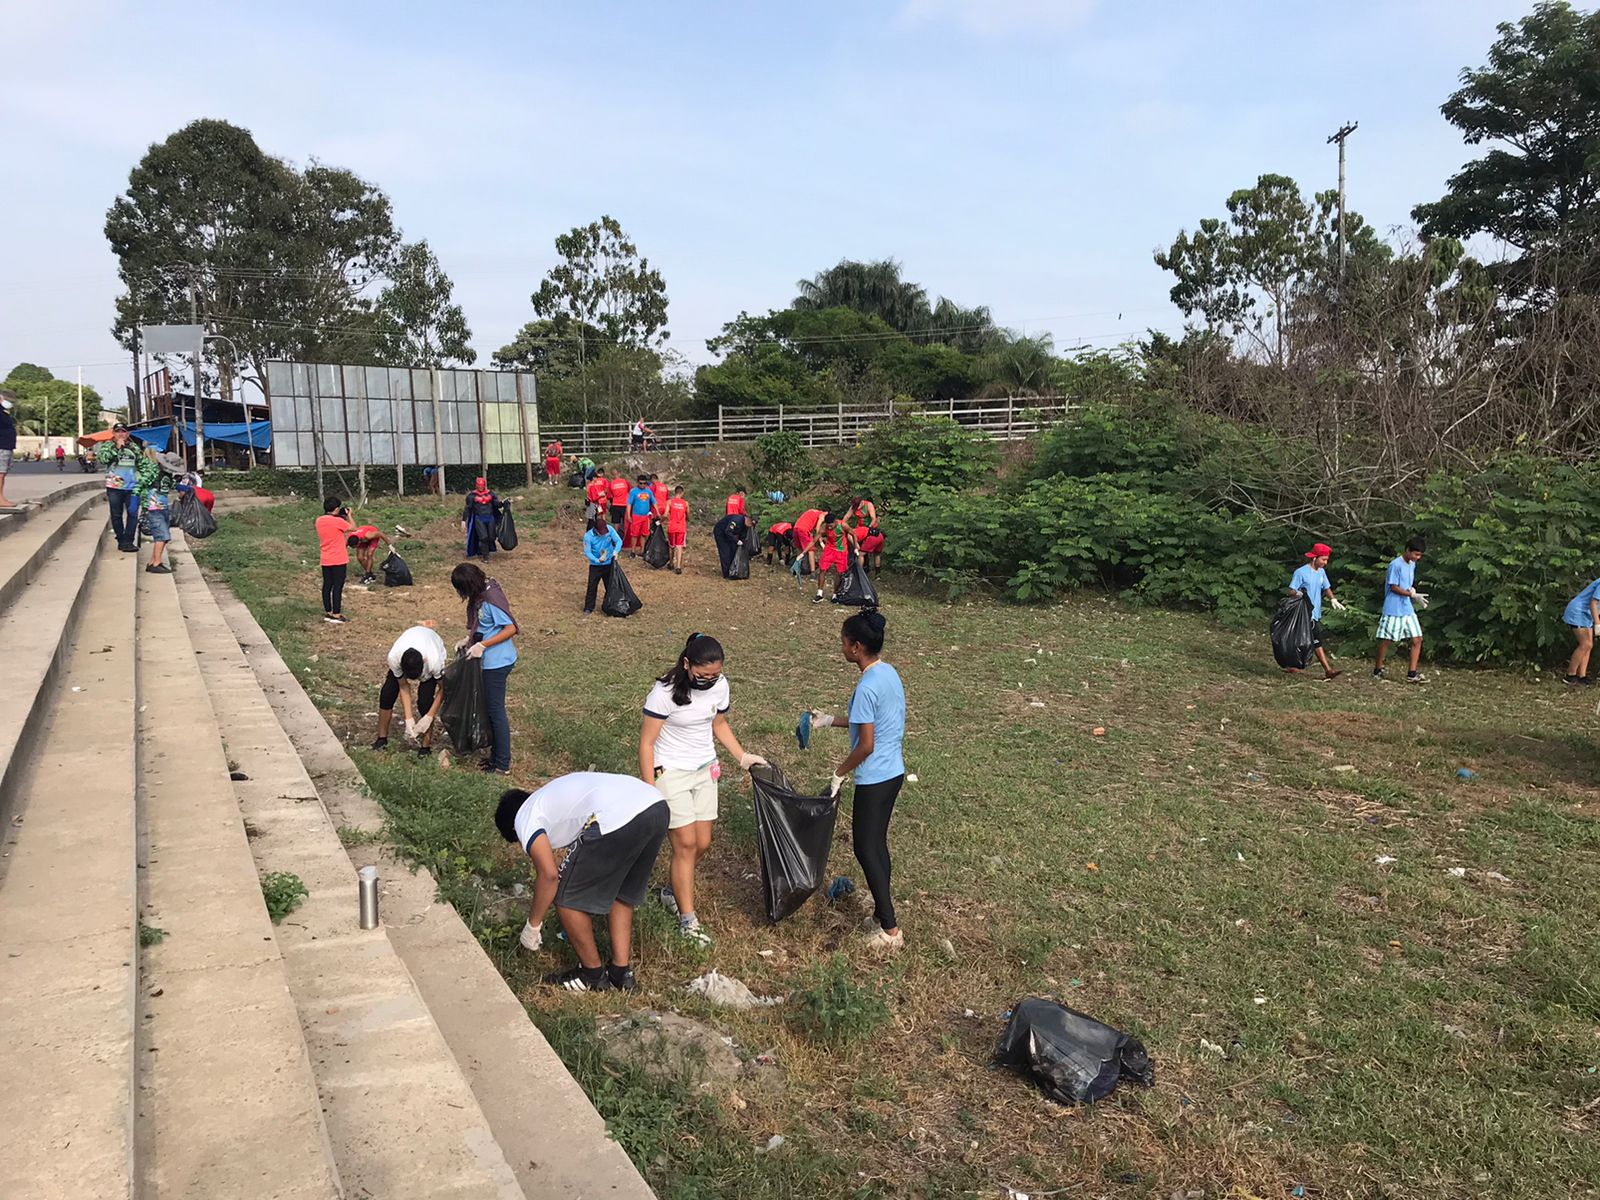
x=1205, y=875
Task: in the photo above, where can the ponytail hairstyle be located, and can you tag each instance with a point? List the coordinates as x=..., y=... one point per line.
x=700, y=650
x=866, y=630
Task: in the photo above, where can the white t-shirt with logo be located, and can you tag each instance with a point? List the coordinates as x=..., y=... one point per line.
x=562, y=808
x=685, y=742
x=426, y=642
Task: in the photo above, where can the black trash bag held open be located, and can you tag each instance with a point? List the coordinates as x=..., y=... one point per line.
x=793, y=835
x=505, y=529
x=752, y=539
x=620, y=599
x=656, y=552
x=575, y=480
x=396, y=571
x=856, y=587
x=740, y=567
x=1074, y=1058
x=189, y=515
x=465, y=711
x=1291, y=633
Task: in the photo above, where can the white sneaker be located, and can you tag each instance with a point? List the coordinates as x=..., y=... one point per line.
x=696, y=933
x=532, y=937
x=885, y=942
x=669, y=900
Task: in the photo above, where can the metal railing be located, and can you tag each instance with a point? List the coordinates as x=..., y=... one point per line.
x=1004, y=418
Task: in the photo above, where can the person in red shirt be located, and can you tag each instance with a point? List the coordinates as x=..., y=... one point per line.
x=805, y=533
x=552, y=461
x=598, y=492
x=677, y=527
x=333, y=527
x=364, y=540
x=619, y=501
x=835, y=540
x=661, y=492
x=870, y=541
x=780, y=541
x=735, y=503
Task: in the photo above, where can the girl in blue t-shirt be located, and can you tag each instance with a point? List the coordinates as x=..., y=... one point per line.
x=1583, y=614
x=877, y=727
x=490, y=630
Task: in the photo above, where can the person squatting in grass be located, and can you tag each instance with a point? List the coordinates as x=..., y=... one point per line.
x=364, y=539
x=1311, y=580
x=600, y=546
x=641, y=508
x=677, y=527
x=780, y=542
x=1399, y=617
x=685, y=715
x=615, y=825
x=417, y=659
x=333, y=531
x=490, y=630
x=877, y=719
x=728, y=532
x=1582, y=615
x=835, y=540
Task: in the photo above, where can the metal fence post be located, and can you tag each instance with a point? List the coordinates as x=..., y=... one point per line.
x=841, y=423
x=780, y=418
x=719, y=422
x=438, y=437
x=1011, y=415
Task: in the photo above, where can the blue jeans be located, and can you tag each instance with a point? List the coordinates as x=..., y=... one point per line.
x=124, y=503
x=494, y=695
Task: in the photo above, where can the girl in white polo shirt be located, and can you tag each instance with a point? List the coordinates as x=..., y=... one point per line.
x=685, y=715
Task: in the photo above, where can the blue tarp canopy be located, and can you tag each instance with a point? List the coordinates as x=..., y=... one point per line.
x=260, y=432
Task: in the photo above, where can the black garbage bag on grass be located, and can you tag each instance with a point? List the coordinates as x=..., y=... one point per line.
x=620, y=599
x=505, y=529
x=1074, y=1058
x=856, y=587
x=740, y=567
x=656, y=552
x=189, y=515
x=575, y=480
x=1291, y=633
x=465, y=711
x=396, y=571
x=793, y=834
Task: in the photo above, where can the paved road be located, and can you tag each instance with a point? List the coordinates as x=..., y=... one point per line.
x=33, y=480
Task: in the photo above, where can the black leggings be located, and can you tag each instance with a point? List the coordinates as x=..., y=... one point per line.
x=597, y=576
x=390, y=692
x=333, y=587
x=873, y=805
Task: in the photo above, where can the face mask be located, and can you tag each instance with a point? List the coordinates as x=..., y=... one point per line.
x=703, y=685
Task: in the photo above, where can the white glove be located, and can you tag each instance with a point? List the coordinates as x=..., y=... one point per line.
x=424, y=724
x=461, y=645
x=820, y=719
x=748, y=760
x=1421, y=599
x=532, y=936
x=834, y=785
x=475, y=650
x=411, y=729
x=1334, y=602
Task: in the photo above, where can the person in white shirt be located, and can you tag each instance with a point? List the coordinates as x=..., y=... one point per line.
x=416, y=659
x=615, y=825
x=685, y=715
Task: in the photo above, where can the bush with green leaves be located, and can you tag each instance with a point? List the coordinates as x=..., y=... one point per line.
x=834, y=1008
x=781, y=461
x=283, y=891
x=905, y=455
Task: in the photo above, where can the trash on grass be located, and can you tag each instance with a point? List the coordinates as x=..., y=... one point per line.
x=728, y=991
x=773, y=1143
x=1466, y=773
x=1458, y=872
x=1213, y=1048
x=1384, y=860
x=1074, y=1058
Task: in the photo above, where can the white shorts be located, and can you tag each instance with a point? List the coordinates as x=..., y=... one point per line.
x=1399, y=629
x=691, y=795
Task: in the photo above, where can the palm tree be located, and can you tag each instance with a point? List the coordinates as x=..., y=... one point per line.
x=874, y=288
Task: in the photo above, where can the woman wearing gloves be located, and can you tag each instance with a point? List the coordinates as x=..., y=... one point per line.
x=685, y=714
x=877, y=721
x=490, y=630
x=1311, y=580
x=600, y=546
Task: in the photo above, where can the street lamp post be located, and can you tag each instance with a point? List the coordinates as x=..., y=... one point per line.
x=249, y=437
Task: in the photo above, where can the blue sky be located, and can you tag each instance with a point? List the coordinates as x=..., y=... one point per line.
x=1025, y=154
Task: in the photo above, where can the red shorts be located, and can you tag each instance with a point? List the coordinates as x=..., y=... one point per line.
x=552, y=467
x=677, y=537
x=802, y=539
x=833, y=560
x=871, y=543
x=638, y=528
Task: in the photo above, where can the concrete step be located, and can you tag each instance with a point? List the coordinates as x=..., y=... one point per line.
x=554, y=1139
x=38, y=505
x=43, y=570
x=401, y=1117
x=226, y=1103
x=68, y=922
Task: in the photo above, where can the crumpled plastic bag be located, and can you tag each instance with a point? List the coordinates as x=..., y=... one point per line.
x=1073, y=1058
x=728, y=992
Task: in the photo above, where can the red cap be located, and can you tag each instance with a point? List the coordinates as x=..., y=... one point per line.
x=1320, y=550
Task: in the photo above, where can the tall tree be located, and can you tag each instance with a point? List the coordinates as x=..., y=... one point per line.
x=874, y=288
x=419, y=324
x=47, y=406
x=603, y=282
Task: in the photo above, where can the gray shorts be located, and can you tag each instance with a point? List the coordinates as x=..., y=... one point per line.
x=603, y=868
x=156, y=525
x=5, y=462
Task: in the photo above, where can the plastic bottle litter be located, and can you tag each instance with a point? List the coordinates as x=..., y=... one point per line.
x=773, y=1143
x=1466, y=773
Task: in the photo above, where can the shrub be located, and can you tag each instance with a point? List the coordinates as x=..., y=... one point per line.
x=781, y=460
x=835, y=1008
x=901, y=457
x=283, y=891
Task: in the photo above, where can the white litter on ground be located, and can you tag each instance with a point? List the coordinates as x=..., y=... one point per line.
x=728, y=992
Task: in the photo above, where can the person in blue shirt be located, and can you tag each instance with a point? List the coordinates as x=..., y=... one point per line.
x=641, y=507
x=600, y=546
x=1583, y=614
x=490, y=630
x=1400, y=603
x=1311, y=581
x=877, y=727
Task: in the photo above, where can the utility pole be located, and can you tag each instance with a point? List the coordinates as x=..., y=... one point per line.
x=80, y=407
x=136, y=405
x=1344, y=132
x=199, y=374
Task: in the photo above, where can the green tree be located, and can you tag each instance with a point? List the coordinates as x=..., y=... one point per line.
x=874, y=288
x=551, y=347
x=41, y=395
x=602, y=281
x=420, y=324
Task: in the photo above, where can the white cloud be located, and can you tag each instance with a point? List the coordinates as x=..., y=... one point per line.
x=1002, y=16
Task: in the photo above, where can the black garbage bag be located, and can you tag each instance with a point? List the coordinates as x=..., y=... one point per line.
x=620, y=599
x=505, y=529
x=396, y=571
x=752, y=539
x=856, y=587
x=656, y=552
x=793, y=834
x=739, y=568
x=1291, y=633
x=189, y=515
x=1074, y=1058
x=465, y=712
x=575, y=479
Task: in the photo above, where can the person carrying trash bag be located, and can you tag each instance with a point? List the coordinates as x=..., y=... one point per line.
x=877, y=720
x=490, y=630
x=855, y=588
x=478, y=519
x=600, y=546
x=505, y=527
x=685, y=716
x=729, y=533
x=1311, y=581
x=620, y=598
x=794, y=832
x=656, y=553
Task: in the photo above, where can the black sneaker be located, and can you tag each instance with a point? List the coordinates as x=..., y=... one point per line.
x=1573, y=680
x=158, y=569
x=621, y=978
x=424, y=751
x=1584, y=680
x=1377, y=672
x=380, y=744
x=1416, y=677
x=581, y=979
